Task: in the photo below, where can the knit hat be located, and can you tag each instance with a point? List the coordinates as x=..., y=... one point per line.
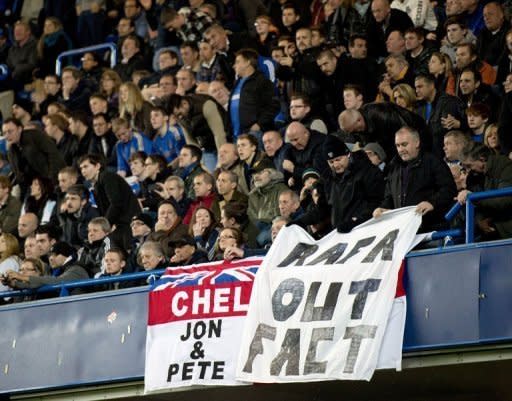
x=263, y=164
x=308, y=173
x=144, y=218
x=25, y=104
x=377, y=149
x=62, y=248
x=334, y=147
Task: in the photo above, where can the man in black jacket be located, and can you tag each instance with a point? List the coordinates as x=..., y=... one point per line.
x=114, y=197
x=354, y=187
x=31, y=154
x=418, y=178
x=252, y=106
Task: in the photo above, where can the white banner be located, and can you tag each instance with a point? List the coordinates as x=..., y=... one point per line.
x=319, y=310
x=196, y=314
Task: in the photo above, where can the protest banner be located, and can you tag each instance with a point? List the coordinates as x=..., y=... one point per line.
x=319, y=309
x=195, y=318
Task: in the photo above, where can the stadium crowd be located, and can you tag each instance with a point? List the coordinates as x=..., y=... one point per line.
x=224, y=120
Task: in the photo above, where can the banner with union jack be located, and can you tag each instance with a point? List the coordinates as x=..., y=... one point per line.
x=195, y=320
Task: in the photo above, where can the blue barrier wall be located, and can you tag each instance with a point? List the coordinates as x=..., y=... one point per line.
x=456, y=297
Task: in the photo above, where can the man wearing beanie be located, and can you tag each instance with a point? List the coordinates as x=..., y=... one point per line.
x=64, y=268
x=353, y=186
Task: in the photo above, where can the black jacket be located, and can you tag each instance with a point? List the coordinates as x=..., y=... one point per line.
x=68, y=146
x=74, y=226
x=36, y=155
x=258, y=104
x=352, y=196
x=425, y=178
x=398, y=21
x=115, y=199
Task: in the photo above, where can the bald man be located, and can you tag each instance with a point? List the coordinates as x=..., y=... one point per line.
x=27, y=225
x=305, y=152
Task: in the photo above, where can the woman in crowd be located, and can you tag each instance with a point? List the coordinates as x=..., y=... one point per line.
x=109, y=87
x=134, y=108
x=53, y=42
x=228, y=238
x=440, y=66
x=404, y=95
x=41, y=200
x=491, y=139
x=204, y=228
x=9, y=259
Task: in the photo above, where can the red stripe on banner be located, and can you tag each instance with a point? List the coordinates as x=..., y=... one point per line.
x=400, y=289
x=199, y=302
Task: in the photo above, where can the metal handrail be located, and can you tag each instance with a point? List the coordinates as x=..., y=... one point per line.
x=63, y=288
x=470, y=208
x=111, y=46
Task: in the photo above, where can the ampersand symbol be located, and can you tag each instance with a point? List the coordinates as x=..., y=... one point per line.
x=198, y=351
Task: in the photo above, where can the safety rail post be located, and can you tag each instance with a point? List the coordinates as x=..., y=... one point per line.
x=82, y=50
x=470, y=224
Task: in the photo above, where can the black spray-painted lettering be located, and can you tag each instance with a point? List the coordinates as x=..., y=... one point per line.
x=325, y=312
x=331, y=255
x=318, y=334
x=356, y=334
x=289, y=354
x=292, y=286
x=256, y=347
x=361, y=288
x=386, y=245
x=299, y=254
x=357, y=247
x=206, y=370
x=199, y=330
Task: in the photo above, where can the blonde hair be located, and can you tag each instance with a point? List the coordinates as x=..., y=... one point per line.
x=134, y=103
x=407, y=92
x=114, y=76
x=12, y=246
x=40, y=44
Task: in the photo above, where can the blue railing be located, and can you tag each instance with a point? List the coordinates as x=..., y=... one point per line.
x=75, y=52
x=63, y=288
x=470, y=208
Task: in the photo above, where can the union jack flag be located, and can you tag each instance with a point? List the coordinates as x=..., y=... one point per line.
x=209, y=274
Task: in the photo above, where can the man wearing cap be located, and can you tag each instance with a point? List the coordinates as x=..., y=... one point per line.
x=354, y=187
x=186, y=252
x=418, y=178
x=64, y=268
x=264, y=198
x=376, y=155
x=141, y=226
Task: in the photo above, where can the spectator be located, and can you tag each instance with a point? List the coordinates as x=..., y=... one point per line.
x=440, y=66
x=385, y=20
x=22, y=56
x=472, y=90
x=189, y=163
x=493, y=218
x=46, y=236
x=129, y=142
x=457, y=34
x=418, y=54
x=133, y=108
x=75, y=92
x=187, y=252
x=304, y=152
x=354, y=188
x=9, y=259
x=229, y=161
x=155, y=171
x=491, y=39
x=204, y=195
x=189, y=26
x=275, y=148
x=113, y=197
x=250, y=156
x=477, y=116
x=289, y=204
x=300, y=110
x=266, y=35
x=189, y=53
x=10, y=207
x=290, y=19
x=229, y=237
x=64, y=268
x=52, y=42
x=168, y=226
x=132, y=58
x=31, y=154
x=226, y=184
x=465, y=57
x=104, y=140
x=141, y=226
x=57, y=128
x=186, y=82
x=353, y=97
x=41, y=200
x=79, y=127
x=218, y=90
x=455, y=142
x=30, y=248
x=491, y=139
x=91, y=68
x=442, y=112
x=505, y=66
x=91, y=254
x=115, y=265
x=332, y=80
x=51, y=93
x=151, y=256
x=264, y=199
x=169, y=137
x=429, y=183
x=67, y=177
x=251, y=106
x=75, y=214
x=22, y=110
x=376, y=155
x=174, y=187
x=109, y=86
x=395, y=43
x=29, y=267
x=404, y=96
x=204, y=230
x=27, y=225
